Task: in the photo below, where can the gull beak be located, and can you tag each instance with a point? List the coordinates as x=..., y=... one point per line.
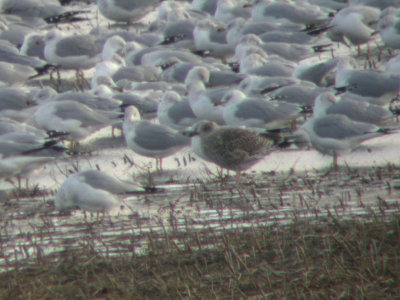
x=190, y=132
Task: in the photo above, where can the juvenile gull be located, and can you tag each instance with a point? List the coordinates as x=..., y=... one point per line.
x=232, y=148
x=93, y=191
x=151, y=140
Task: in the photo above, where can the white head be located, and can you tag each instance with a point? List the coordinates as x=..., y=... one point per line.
x=131, y=114
x=322, y=103
x=197, y=74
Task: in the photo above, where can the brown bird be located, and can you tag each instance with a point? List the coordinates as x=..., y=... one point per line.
x=232, y=148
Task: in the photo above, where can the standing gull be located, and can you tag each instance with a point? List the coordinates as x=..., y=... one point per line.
x=233, y=148
x=336, y=134
x=71, y=52
x=151, y=140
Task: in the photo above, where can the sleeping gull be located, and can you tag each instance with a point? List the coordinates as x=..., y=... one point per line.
x=151, y=140
x=228, y=10
x=28, y=143
x=380, y=87
x=232, y=148
x=389, y=28
x=72, y=117
x=352, y=24
x=209, y=37
x=357, y=110
x=259, y=85
x=204, y=102
x=126, y=10
x=93, y=191
x=175, y=112
x=49, y=10
x=240, y=110
x=304, y=14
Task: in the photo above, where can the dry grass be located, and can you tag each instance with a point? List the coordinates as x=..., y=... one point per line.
x=305, y=260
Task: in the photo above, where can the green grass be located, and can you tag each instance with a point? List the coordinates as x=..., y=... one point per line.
x=305, y=260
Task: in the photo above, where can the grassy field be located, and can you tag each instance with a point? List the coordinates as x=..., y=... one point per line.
x=324, y=259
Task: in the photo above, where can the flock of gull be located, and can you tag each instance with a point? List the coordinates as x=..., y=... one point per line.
x=234, y=80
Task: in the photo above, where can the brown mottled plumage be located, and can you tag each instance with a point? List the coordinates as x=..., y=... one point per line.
x=232, y=148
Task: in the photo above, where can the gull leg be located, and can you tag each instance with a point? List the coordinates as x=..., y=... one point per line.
x=334, y=162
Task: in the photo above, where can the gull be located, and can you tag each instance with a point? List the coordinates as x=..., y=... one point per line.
x=113, y=45
x=151, y=140
x=389, y=28
x=175, y=70
x=381, y=87
x=288, y=51
x=93, y=191
x=361, y=111
x=204, y=102
x=126, y=10
x=71, y=52
x=303, y=93
x=304, y=14
x=227, y=10
x=175, y=112
x=14, y=73
x=72, y=117
x=208, y=37
x=107, y=68
x=240, y=110
x=33, y=45
x=319, y=73
x=208, y=6
x=21, y=166
x=28, y=143
x=16, y=98
x=255, y=63
x=259, y=85
x=382, y=4
x=393, y=65
x=49, y=10
x=232, y=148
x=352, y=23
x=239, y=27
x=336, y=134
x=9, y=53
